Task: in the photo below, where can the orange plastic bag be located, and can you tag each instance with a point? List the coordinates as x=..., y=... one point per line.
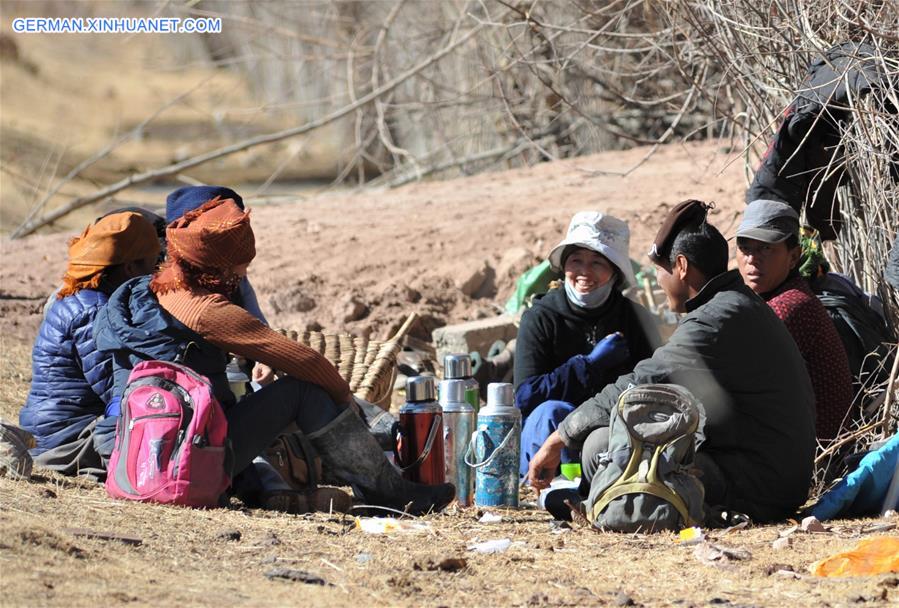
x=871, y=556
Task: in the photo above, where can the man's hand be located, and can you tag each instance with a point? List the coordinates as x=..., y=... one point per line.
x=545, y=462
x=263, y=374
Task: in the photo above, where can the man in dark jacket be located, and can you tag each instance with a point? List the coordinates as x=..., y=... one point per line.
x=738, y=359
x=71, y=380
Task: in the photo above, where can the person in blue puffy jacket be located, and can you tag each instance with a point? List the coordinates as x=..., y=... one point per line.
x=71, y=380
x=579, y=337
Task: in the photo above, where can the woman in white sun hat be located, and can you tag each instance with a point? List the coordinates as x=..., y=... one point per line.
x=583, y=335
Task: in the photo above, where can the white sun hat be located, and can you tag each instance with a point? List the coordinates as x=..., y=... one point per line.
x=603, y=234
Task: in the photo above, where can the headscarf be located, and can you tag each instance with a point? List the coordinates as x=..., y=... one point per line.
x=204, y=246
x=114, y=239
x=812, y=262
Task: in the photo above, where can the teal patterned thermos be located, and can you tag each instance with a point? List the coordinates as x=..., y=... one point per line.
x=495, y=447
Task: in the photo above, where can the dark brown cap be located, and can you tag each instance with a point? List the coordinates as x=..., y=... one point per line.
x=683, y=214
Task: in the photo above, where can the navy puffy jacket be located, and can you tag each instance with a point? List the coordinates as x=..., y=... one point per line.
x=134, y=327
x=71, y=381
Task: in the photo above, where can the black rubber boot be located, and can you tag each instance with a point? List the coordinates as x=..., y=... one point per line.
x=351, y=454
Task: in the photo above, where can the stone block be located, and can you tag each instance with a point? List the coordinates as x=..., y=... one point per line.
x=475, y=335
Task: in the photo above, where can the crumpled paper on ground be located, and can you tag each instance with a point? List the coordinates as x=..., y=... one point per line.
x=869, y=557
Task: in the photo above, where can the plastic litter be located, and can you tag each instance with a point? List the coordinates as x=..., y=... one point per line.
x=869, y=557
x=499, y=545
x=571, y=471
x=690, y=536
x=388, y=525
x=718, y=555
x=490, y=518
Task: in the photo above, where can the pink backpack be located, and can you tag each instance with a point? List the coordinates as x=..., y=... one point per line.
x=170, y=439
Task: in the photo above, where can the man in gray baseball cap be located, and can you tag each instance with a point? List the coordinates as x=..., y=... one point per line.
x=768, y=255
x=767, y=244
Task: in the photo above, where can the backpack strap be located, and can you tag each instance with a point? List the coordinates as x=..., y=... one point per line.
x=629, y=483
x=634, y=480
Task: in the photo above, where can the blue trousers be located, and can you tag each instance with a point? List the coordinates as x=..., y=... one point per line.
x=540, y=424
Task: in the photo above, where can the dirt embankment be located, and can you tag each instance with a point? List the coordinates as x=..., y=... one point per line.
x=361, y=261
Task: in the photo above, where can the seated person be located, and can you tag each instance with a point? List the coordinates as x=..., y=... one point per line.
x=177, y=203
x=158, y=225
x=768, y=255
x=189, y=198
x=733, y=353
x=577, y=339
x=71, y=380
x=183, y=313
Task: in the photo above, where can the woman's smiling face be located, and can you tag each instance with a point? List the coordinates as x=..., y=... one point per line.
x=587, y=270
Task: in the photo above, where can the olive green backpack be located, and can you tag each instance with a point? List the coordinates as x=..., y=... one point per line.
x=646, y=481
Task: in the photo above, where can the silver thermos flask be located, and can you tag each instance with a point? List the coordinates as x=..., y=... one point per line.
x=458, y=425
x=458, y=367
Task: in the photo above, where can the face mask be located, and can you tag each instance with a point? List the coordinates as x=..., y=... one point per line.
x=589, y=300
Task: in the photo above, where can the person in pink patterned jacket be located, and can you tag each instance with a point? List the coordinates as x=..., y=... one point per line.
x=768, y=258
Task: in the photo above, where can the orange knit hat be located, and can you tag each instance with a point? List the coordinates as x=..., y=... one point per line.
x=216, y=236
x=115, y=239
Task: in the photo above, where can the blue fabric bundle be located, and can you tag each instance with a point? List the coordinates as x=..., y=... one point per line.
x=865, y=489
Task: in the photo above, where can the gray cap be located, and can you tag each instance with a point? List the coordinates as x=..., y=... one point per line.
x=456, y=366
x=768, y=221
x=452, y=391
x=420, y=388
x=500, y=393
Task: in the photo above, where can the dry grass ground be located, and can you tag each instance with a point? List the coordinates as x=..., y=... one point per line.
x=189, y=557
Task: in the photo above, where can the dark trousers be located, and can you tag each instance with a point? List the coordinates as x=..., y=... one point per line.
x=255, y=420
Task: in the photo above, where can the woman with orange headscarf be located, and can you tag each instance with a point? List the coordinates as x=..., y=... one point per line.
x=71, y=380
x=185, y=313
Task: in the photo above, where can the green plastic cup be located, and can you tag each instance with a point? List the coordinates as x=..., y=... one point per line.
x=571, y=470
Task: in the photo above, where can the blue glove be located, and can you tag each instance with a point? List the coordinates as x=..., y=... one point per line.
x=609, y=352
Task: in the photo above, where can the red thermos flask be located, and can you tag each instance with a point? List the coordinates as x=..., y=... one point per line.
x=420, y=441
